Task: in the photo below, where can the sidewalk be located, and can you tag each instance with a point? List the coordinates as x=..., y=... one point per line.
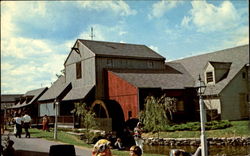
x=39, y=147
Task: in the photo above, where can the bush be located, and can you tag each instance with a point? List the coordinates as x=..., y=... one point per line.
x=195, y=126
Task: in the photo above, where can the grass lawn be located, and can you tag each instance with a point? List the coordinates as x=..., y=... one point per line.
x=238, y=129
x=74, y=140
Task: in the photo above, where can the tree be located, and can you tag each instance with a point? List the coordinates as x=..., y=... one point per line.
x=154, y=116
x=169, y=105
x=87, y=117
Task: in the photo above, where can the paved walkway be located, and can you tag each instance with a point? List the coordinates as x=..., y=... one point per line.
x=39, y=147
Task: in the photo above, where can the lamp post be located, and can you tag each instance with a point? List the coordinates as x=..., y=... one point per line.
x=5, y=117
x=201, y=87
x=56, y=114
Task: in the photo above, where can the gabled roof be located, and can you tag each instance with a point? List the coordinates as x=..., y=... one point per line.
x=56, y=89
x=238, y=56
x=35, y=93
x=110, y=49
x=78, y=93
x=224, y=65
x=156, y=79
x=10, y=97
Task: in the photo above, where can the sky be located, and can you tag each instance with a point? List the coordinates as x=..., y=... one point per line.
x=37, y=36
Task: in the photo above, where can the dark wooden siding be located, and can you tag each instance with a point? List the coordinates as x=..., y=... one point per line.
x=123, y=93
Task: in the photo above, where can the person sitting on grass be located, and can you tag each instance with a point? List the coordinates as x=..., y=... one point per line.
x=135, y=151
x=9, y=150
x=118, y=144
x=102, y=148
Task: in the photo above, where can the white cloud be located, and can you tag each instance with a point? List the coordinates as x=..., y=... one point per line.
x=156, y=49
x=239, y=36
x=30, y=73
x=24, y=47
x=185, y=21
x=161, y=7
x=27, y=62
x=118, y=7
x=104, y=33
x=122, y=33
x=207, y=17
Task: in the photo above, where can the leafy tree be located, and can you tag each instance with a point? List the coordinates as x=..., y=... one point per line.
x=169, y=105
x=87, y=118
x=154, y=116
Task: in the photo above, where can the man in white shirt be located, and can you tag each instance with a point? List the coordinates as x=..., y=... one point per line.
x=26, y=124
x=18, y=123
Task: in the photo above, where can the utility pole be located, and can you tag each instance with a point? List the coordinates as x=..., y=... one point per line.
x=92, y=33
x=56, y=115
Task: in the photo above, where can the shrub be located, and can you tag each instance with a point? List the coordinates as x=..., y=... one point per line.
x=195, y=126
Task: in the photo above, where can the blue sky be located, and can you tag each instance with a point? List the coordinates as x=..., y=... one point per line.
x=36, y=37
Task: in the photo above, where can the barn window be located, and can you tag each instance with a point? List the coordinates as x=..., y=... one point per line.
x=209, y=77
x=180, y=106
x=78, y=70
x=244, y=75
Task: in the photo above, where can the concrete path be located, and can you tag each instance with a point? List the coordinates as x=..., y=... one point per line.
x=39, y=147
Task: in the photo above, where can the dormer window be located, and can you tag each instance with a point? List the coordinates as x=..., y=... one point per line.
x=78, y=70
x=209, y=76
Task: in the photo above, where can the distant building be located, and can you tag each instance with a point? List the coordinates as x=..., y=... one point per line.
x=8, y=100
x=227, y=76
x=28, y=103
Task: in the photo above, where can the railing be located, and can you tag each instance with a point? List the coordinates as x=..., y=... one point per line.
x=61, y=120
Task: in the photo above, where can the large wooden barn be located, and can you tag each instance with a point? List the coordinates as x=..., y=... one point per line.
x=114, y=79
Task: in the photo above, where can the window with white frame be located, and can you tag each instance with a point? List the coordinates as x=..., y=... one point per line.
x=209, y=77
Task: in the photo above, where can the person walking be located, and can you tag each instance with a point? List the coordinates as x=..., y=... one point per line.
x=26, y=124
x=45, y=123
x=138, y=136
x=18, y=123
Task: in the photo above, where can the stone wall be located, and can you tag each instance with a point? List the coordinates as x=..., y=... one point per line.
x=234, y=141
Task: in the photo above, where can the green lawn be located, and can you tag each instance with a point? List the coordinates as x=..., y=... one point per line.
x=71, y=139
x=239, y=129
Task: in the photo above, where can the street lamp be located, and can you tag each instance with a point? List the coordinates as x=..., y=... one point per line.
x=56, y=114
x=201, y=87
x=5, y=117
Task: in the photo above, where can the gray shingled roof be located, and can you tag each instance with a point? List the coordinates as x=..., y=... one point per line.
x=164, y=80
x=55, y=90
x=238, y=56
x=35, y=93
x=78, y=93
x=120, y=49
x=10, y=97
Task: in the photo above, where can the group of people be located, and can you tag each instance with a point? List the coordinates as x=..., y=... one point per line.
x=22, y=122
x=103, y=146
